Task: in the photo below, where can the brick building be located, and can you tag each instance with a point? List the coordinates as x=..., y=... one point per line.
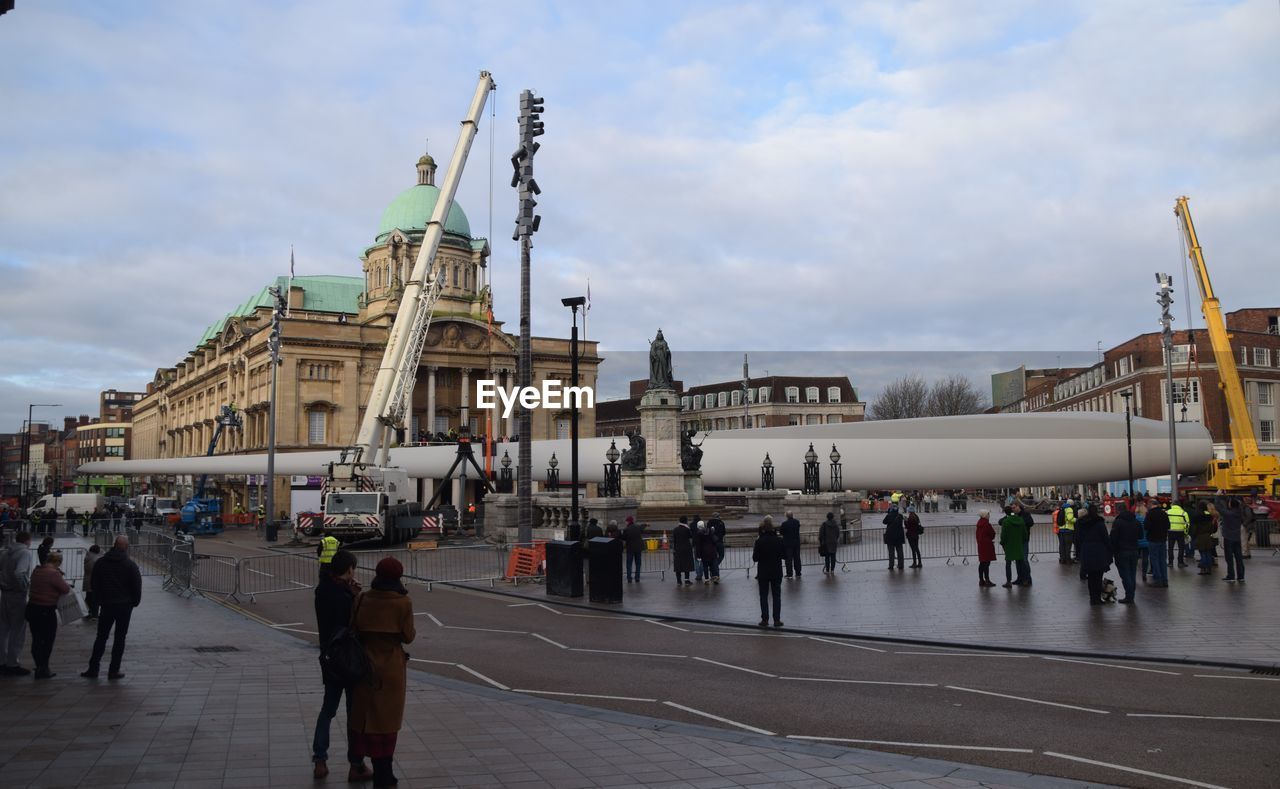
x=1137, y=366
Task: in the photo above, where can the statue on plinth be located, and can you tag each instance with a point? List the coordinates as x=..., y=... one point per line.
x=633, y=456
x=690, y=453
x=659, y=363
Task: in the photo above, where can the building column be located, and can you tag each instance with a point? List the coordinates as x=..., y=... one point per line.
x=464, y=411
x=509, y=384
x=431, y=399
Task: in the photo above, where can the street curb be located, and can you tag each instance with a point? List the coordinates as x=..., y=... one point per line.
x=882, y=639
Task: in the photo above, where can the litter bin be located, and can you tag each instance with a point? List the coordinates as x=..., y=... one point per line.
x=604, y=556
x=272, y=531
x=564, y=568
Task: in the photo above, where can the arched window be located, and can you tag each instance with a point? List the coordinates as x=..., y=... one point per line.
x=811, y=394
x=735, y=397
x=833, y=394
x=697, y=402
x=722, y=399
x=764, y=394
x=793, y=394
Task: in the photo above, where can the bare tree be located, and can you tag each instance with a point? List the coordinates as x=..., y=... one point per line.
x=955, y=395
x=904, y=398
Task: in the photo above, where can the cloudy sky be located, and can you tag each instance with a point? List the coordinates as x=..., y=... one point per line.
x=987, y=179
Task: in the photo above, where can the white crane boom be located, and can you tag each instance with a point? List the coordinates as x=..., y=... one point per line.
x=396, y=360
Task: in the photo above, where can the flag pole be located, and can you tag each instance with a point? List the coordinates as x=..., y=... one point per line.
x=289, y=295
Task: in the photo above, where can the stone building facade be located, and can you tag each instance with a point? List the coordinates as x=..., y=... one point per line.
x=332, y=342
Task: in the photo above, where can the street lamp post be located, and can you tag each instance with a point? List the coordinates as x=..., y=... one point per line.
x=612, y=486
x=766, y=473
x=812, y=481
x=1164, y=297
x=837, y=481
x=553, y=473
x=504, y=476
x=573, y=303
x=1128, y=438
x=24, y=487
x=273, y=345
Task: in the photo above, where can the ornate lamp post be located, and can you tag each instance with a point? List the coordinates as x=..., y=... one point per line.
x=553, y=473
x=504, y=476
x=812, y=481
x=837, y=481
x=612, y=480
x=766, y=473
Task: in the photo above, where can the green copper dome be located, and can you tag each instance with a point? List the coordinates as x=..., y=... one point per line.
x=413, y=207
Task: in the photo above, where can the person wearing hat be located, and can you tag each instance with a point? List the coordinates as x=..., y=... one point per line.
x=383, y=619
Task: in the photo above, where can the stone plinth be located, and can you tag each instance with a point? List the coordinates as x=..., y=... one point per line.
x=665, y=482
x=551, y=514
x=810, y=509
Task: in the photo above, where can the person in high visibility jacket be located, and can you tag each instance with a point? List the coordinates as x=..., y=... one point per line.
x=1179, y=524
x=1065, y=521
x=328, y=547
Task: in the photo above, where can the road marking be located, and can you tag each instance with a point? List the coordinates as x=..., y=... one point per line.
x=549, y=641
x=718, y=718
x=621, y=652
x=549, y=608
x=664, y=624
x=1134, y=770
x=580, y=695
x=433, y=662
x=289, y=624
x=1202, y=717
x=740, y=633
x=433, y=619
x=602, y=616
x=962, y=654
x=863, y=681
x=844, y=644
x=519, y=605
x=730, y=665
x=1112, y=665
x=1032, y=701
x=475, y=673
x=485, y=629
x=911, y=744
x=1231, y=676
x=295, y=630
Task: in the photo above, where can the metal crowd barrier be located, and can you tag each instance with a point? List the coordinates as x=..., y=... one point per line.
x=275, y=573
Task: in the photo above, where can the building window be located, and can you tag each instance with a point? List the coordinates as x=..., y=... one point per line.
x=751, y=395
x=793, y=394
x=684, y=403
x=735, y=397
x=1123, y=368
x=441, y=424
x=1267, y=431
x=1265, y=396
x=813, y=419
x=760, y=420
x=793, y=419
x=316, y=427
x=833, y=394
x=697, y=402
x=834, y=419
x=1262, y=357
x=1181, y=354
x=764, y=394
x=563, y=428
x=1182, y=393
x=719, y=424
x=722, y=399
x=811, y=394
x=1273, y=324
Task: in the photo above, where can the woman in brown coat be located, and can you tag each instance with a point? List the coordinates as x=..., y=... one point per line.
x=383, y=618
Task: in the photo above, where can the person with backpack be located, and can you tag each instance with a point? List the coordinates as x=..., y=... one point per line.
x=16, y=565
x=1066, y=522
x=334, y=595
x=382, y=618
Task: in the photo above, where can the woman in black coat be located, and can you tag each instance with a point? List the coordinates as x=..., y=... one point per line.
x=1094, y=548
x=682, y=550
x=894, y=535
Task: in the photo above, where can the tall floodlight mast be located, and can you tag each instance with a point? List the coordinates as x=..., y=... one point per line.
x=527, y=223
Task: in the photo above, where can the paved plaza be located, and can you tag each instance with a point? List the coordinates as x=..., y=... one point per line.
x=214, y=699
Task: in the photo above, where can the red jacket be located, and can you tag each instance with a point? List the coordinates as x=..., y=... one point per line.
x=47, y=585
x=986, y=535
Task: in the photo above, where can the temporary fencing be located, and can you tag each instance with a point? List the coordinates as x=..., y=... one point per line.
x=278, y=572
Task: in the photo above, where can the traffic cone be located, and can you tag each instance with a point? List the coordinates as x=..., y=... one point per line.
x=664, y=541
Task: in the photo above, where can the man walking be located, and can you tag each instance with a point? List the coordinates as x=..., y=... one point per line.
x=790, y=533
x=117, y=583
x=16, y=564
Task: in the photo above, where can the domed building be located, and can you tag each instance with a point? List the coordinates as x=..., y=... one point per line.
x=332, y=341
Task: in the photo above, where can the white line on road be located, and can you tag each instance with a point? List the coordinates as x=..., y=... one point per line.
x=863, y=681
x=911, y=744
x=1112, y=665
x=433, y=662
x=485, y=629
x=843, y=644
x=962, y=654
x=549, y=641
x=433, y=619
x=603, y=616
x=1232, y=676
x=1202, y=717
x=549, y=608
x=744, y=633
x=621, y=652
x=477, y=674
x=736, y=668
x=664, y=624
x=289, y=624
x=519, y=605
x=1033, y=701
x=1134, y=770
x=295, y=630
x=718, y=718
x=580, y=695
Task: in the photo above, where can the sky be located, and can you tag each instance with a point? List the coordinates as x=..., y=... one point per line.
x=886, y=186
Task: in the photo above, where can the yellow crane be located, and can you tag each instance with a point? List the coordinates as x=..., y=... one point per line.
x=1248, y=471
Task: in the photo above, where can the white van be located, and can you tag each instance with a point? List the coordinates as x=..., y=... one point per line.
x=80, y=502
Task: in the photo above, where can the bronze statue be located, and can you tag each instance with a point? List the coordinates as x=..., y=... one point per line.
x=659, y=363
x=633, y=456
x=690, y=453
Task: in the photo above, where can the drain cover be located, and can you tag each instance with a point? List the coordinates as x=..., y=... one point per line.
x=217, y=649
